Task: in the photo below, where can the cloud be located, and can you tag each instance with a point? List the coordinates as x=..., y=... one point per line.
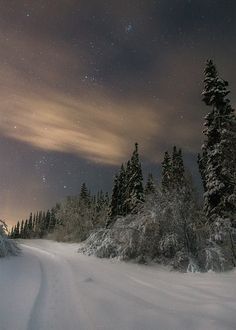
x=46, y=101
x=99, y=130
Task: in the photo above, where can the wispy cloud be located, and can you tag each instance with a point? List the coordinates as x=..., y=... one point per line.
x=45, y=102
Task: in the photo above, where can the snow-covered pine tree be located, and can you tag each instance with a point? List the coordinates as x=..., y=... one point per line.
x=52, y=223
x=166, y=182
x=114, y=202
x=47, y=221
x=121, y=191
x=136, y=192
x=26, y=229
x=201, y=160
x=219, y=156
x=127, y=189
x=17, y=230
x=30, y=225
x=84, y=194
x=101, y=210
x=12, y=233
x=7, y=246
x=150, y=186
x=34, y=225
x=178, y=172
x=22, y=229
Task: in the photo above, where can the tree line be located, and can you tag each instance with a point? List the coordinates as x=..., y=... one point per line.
x=186, y=225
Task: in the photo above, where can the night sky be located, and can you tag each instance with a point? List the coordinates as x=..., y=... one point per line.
x=81, y=81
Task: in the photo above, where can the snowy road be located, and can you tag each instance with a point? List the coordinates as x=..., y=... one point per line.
x=51, y=287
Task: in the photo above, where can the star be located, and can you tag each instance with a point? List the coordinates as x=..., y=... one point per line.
x=129, y=28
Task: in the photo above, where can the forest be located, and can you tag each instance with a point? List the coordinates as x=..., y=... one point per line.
x=162, y=222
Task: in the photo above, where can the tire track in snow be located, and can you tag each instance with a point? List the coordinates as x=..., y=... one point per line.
x=35, y=317
x=56, y=306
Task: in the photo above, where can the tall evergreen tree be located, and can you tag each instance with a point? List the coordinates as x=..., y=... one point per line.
x=150, y=186
x=201, y=160
x=30, y=225
x=84, y=194
x=166, y=182
x=135, y=183
x=127, y=188
x=121, y=191
x=17, y=230
x=22, y=229
x=219, y=157
x=26, y=229
x=12, y=232
x=114, y=208
x=47, y=221
x=178, y=175
x=52, y=223
x=34, y=224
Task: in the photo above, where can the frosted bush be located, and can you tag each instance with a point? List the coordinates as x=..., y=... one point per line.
x=169, y=245
x=7, y=246
x=132, y=237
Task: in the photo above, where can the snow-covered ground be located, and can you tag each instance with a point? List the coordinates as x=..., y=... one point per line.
x=52, y=287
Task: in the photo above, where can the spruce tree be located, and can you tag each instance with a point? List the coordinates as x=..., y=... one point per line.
x=30, y=225
x=47, y=221
x=127, y=188
x=84, y=194
x=12, y=233
x=114, y=201
x=26, y=231
x=34, y=224
x=52, y=223
x=201, y=160
x=22, y=229
x=17, y=230
x=43, y=225
x=166, y=182
x=121, y=191
x=219, y=157
x=178, y=172
x=136, y=191
x=150, y=186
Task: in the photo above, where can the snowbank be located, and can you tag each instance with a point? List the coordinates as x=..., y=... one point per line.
x=50, y=286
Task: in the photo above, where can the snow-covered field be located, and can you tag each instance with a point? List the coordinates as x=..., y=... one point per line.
x=52, y=287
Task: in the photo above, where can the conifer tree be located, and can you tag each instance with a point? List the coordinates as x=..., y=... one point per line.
x=150, y=186
x=201, y=160
x=30, y=225
x=136, y=192
x=84, y=194
x=218, y=159
x=166, y=182
x=114, y=208
x=17, y=230
x=26, y=231
x=127, y=189
x=22, y=229
x=12, y=233
x=36, y=227
x=52, y=223
x=42, y=224
x=178, y=175
x=121, y=191
x=34, y=224
x=47, y=221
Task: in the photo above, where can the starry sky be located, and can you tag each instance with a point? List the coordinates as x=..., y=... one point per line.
x=82, y=80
